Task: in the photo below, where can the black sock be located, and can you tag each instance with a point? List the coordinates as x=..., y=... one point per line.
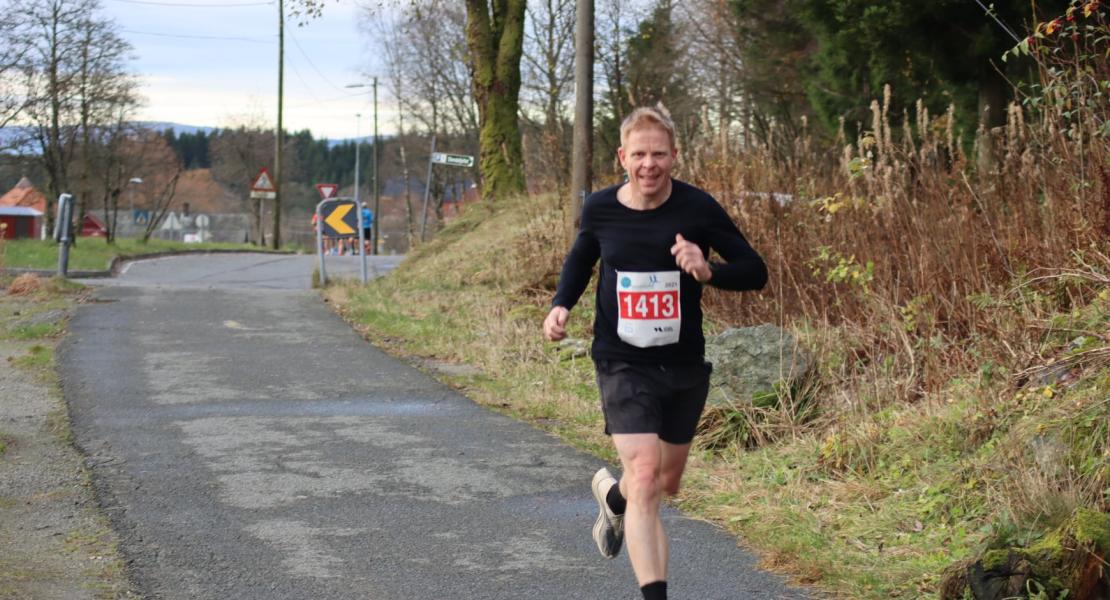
x=656, y=590
x=615, y=500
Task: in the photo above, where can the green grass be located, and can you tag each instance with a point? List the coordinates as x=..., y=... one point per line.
x=37, y=359
x=867, y=505
x=93, y=254
x=36, y=331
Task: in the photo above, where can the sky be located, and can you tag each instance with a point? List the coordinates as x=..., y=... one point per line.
x=214, y=63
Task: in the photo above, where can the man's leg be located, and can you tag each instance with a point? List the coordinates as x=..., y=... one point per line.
x=672, y=465
x=670, y=477
x=641, y=456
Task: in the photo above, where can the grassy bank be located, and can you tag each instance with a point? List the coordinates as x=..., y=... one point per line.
x=93, y=254
x=954, y=293
x=868, y=502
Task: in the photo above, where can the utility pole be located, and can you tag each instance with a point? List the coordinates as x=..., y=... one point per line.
x=583, y=152
x=276, y=241
x=377, y=195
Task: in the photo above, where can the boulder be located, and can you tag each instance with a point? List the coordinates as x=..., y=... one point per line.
x=753, y=364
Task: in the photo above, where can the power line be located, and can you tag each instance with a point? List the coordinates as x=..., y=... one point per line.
x=329, y=99
x=312, y=64
x=308, y=88
x=195, y=5
x=198, y=37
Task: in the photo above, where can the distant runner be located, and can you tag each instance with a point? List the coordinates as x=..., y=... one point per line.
x=367, y=228
x=652, y=234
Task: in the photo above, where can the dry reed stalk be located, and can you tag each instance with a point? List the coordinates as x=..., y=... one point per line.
x=937, y=232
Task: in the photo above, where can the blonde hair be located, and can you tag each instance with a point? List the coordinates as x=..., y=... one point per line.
x=647, y=116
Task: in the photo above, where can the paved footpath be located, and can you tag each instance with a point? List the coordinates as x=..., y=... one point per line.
x=246, y=443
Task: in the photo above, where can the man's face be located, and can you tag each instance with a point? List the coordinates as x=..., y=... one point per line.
x=648, y=157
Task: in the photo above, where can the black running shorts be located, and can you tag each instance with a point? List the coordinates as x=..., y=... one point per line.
x=646, y=398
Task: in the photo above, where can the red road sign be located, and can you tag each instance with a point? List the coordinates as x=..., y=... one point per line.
x=263, y=186
x=263, y=182
x=327, y=190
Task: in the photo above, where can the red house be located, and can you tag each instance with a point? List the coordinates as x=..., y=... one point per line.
x=21, y=210
x=19, y=222
x=93, y=226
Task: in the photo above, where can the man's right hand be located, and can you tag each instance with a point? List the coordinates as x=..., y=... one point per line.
x=555, y=325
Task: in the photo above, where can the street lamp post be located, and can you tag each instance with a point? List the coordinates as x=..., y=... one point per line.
x=131, y=197
x=358, y=163
x=374, y=165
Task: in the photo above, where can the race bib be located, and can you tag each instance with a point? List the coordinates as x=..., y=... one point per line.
x=650, y=314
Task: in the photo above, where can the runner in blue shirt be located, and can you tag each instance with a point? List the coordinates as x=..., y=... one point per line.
x=367, y=229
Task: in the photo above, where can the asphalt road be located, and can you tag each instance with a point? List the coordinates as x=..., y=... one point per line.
x=246, y=443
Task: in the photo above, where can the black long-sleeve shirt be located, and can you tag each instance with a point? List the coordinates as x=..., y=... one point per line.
x=641, y=300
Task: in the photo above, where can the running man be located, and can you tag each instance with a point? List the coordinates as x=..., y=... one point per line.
x=367, y=228
x=652, y=234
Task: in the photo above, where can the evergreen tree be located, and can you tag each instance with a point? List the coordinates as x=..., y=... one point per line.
x=945, y=52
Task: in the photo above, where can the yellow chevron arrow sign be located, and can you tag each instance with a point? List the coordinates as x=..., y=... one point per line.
x=335, y=219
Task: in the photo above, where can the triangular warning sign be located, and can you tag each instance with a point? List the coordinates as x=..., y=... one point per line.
x=327, y=190
x=262, y=182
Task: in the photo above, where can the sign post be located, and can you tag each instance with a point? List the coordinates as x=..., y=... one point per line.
x=440, y=158
x=262, y=188
x=63, y=221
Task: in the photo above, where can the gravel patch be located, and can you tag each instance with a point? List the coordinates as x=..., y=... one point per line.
x=56, y=541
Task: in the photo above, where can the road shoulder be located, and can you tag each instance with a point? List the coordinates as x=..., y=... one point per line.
x=57, y=540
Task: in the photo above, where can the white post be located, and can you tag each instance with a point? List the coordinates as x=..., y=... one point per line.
x=358, y=125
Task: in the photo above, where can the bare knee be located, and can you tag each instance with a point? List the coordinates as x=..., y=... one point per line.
x=643, y=483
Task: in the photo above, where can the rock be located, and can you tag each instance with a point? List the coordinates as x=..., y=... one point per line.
x=1068, y=562
x=751, y=364
x=573, y=348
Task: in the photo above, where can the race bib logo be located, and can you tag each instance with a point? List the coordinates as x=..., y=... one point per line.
x=650, y=312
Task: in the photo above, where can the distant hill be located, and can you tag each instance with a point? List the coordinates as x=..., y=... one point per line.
x=9, y=136
x=177, y=128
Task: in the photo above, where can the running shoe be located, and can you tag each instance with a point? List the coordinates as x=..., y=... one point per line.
x=608, y=528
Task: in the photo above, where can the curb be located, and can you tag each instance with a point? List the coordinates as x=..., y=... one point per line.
x=117, y=262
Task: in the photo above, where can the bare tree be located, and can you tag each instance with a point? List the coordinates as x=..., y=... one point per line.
x=237, y=154
x=425, y=54
x=153, y=155
x=548, y=77
x=105, y=104
x=614, y=20
x=12, y=64
x=713, y=66
x=425, y=57
x=74, y=81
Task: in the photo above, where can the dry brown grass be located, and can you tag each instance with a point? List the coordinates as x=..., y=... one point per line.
x=910, y=247
x=25, y=284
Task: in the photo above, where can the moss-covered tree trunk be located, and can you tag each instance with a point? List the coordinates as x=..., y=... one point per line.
x=495, y=39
